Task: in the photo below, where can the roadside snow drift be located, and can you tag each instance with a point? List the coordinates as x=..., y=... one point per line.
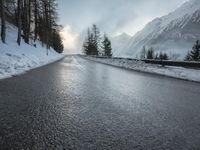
x=16, y=59
x=175, y=72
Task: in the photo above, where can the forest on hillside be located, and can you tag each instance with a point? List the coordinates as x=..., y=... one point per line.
x=34, y=19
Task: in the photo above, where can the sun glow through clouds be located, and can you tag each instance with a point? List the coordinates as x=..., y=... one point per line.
x=70, y=40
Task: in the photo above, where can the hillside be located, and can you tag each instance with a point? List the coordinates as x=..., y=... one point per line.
x=118, y=43
x=16, y=59
x=174, y=33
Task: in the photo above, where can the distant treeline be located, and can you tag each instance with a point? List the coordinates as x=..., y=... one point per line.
x=94, y=44
x=151, y=54
x=192, y=55
x=35, y=20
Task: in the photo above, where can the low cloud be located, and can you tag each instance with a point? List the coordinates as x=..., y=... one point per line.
x=112, y=16
x=71, y=40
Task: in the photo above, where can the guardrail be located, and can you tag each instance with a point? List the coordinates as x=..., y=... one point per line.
x=188, y=64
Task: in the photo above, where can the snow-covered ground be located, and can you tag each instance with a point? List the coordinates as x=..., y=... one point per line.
x=176, y=72
x=16, y=59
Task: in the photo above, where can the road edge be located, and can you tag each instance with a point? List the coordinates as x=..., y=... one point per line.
x=152, y=73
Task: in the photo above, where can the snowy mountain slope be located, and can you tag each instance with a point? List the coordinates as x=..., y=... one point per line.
x=16, y=59
x=174, y=33
x=118, y=43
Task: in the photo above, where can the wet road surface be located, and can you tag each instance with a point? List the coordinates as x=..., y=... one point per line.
x=82, y=105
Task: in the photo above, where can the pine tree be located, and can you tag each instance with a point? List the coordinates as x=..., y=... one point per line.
x=187, y=57
x=87, y=45
x=85, y=48
x=156, y=56
x=57, y=44
x=143, y=53
x=195, y=53
x=165, y=56
x=150, y=53
x=161, y=56
x=96, y=39
x=91, y=43
x=106, y=46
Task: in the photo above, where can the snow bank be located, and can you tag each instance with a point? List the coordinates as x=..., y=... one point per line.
x=176, y=72
x=16, y=59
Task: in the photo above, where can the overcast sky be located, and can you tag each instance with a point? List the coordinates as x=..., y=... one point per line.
x=112, y=16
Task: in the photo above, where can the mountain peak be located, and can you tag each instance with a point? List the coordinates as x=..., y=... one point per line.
x=123, y=35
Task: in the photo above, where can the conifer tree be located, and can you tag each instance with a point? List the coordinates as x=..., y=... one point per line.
x=156, y=56
x=187, y=57
x=143, y=53
x=150, y=53
x=106, y=46
x=91, y=43
x=165, y=56
x=195, y=53
x=161, y=56
x=56, y=43
x=88, y=43
x=96, y=39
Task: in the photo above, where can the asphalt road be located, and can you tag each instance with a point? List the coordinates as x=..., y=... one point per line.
x=82, y=105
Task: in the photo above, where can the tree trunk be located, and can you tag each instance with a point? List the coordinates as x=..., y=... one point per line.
x=3, y=21
x=26, y=24
x=36, y=19
x=19, y=22
x=29, y=20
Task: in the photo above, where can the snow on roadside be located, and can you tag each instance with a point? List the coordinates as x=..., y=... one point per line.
x=16, y=59
x=176, y=72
